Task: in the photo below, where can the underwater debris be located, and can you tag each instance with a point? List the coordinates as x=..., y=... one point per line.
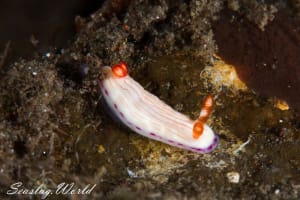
x=242, y=146
x=233, y=177
x=281, y=104
x=131, y=174
x=101, y=149
x=222, y=74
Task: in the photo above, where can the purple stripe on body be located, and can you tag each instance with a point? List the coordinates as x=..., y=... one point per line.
x=129, y=123
x=106, y=92
x=209, y=148
x=199, y=150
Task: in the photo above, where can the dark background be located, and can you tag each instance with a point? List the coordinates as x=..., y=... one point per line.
x=50, y=22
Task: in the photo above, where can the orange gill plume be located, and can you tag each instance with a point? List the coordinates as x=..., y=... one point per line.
x=206, y=109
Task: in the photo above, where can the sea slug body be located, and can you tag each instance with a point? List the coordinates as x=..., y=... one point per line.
x=147, y=115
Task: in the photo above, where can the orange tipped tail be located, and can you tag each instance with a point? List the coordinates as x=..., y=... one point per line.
x=206, y=109
x=198, y=129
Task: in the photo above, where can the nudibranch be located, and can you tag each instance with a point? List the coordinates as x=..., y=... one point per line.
x=147, y=115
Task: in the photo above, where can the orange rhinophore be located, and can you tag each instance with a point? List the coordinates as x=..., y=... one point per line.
x=120, y=69
x=206, y=109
